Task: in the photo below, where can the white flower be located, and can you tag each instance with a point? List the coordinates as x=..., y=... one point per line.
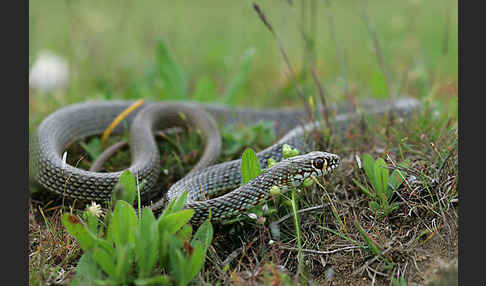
x=49, y=72
x=95, y=209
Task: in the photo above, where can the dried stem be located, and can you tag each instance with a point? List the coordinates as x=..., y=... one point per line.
x=284, y=54
x=314, y=208
x=320, y=252
x=308, y=45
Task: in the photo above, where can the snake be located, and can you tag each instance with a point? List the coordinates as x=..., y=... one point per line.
x=211, y=188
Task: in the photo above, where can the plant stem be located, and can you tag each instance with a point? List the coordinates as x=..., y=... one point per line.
x=138, y=199
x=297, y=231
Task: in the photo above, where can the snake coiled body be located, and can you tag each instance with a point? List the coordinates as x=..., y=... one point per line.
x=79, y=121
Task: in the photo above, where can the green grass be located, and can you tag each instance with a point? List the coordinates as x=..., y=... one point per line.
x=111, y=45
x=221, y=51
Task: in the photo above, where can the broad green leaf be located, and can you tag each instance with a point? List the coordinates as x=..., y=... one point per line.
x=167, y=243
x=185, y=233
x=369, y=167
x=124, y=260
x=86, y=270
x=250, y=166
x=174, y=205
x=178, y=265
x=123, y=224
x=241, y=78
x=106, y=246
x=156, y=280
x=179, y=203
x=174, y=221
x=76, y=228
x=173, y=78
x=196, y=261
x=203, y=235
x=126, y=189
x=105, y=261
x=381, y=175
x=147, y=243
x=92, y=221
x=164, y=238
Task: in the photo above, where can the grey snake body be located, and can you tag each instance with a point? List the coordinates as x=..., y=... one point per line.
x=79, y=121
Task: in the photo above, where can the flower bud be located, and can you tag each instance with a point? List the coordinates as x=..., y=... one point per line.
x=275, y=190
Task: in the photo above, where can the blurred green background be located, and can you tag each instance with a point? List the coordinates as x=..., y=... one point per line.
x=111, y=47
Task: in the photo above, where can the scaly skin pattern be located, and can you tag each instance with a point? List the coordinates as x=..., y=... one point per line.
x=285, y=174
x=79, y=121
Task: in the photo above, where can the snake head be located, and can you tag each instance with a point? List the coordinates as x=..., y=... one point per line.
x=315, y=164
x=324, y=163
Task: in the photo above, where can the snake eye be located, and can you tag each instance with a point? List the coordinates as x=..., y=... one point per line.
x=318, y=163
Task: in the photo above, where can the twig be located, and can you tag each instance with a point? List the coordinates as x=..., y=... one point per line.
x=299, y=212
x=376, y=271
x=359, y=270
x=318, y=251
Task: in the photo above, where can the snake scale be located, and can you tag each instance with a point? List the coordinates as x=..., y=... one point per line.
x=205, y=183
